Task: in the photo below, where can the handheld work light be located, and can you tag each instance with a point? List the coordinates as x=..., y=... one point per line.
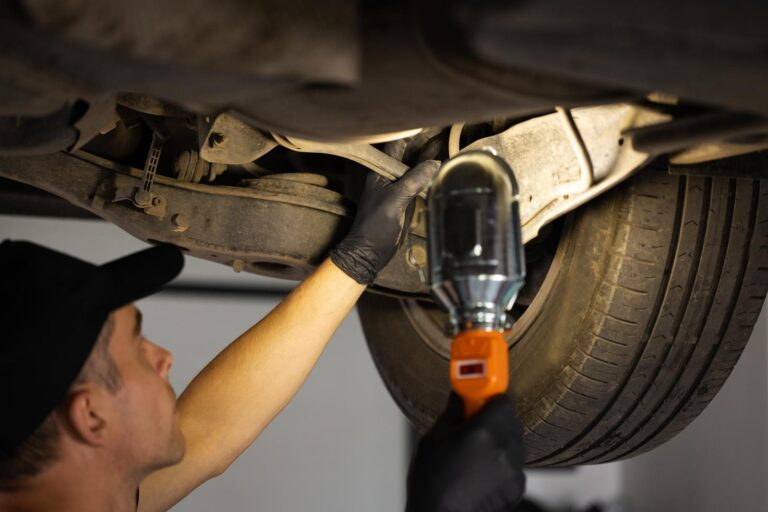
x=477, y=267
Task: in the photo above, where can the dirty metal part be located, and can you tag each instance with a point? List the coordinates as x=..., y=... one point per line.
x=272, y=62
x=407, y=81
x=309, y=178
x=20, y=199
x=550, y=174
x=100, y=117
x=39, y=135
x=543, y=49
x=41, y=73
x=304, y=185
x=753, y=166
x=229, y=140
x=683, y=133
x=274, y=234
x=155, y=203
x=454, y=139
x=188, y=166
x=158, y=125
x=308, y=39
x=120, y=143
x=376, y=138
x=417, y=256
x=150, y=105
x=180, y=222
x=143, y=197
x=712, y=54
x=561, y=161
x=364, y=154
x=587, y=172
x=718, y=150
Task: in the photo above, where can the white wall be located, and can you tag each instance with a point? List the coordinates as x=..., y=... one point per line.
x=339, y=446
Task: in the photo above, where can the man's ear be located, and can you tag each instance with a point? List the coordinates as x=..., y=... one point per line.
x=86, y=413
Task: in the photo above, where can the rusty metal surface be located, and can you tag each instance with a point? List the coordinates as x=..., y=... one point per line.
x=229, y=140
x=37, y=135
x=20, y=199
x=314, y=40
x=402, y=85
x=266, y=232
x=709, y=51
x=542, y=153
x=423, y=63
x=548, y=170
x=359, y=152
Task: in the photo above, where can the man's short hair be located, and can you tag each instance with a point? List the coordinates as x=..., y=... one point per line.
x=41, y=448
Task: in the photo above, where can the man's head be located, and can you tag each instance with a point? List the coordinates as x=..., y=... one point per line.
x=145, y=430
x=107, y=397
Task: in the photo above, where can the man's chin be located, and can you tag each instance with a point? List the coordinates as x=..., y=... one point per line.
x=174, y=452
x=179, y=448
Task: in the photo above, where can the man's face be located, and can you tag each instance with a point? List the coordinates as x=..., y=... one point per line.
x=145, y=403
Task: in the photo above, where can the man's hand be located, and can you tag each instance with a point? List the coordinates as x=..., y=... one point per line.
x=383, y=215
x=469, y=465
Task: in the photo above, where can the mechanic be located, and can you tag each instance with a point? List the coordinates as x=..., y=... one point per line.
x=91, y=423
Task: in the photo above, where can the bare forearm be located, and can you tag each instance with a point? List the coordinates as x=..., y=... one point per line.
x=236, y=396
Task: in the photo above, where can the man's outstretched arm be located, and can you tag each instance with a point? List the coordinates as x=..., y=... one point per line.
x=235, y=397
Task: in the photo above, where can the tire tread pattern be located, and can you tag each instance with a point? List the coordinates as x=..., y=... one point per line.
x=654, y=368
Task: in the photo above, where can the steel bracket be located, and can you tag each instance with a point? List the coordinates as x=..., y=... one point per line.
x=543, y=153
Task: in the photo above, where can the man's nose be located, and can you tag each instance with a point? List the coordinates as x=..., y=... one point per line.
x=162, y=359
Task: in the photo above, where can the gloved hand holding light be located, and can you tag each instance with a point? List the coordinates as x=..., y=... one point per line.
x=477, y=267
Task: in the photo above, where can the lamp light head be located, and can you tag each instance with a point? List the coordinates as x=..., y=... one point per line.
x=476, y=258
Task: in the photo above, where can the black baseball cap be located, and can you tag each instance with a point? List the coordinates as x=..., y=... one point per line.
x=52, y=308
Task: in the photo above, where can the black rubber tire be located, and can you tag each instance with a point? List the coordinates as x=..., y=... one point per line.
x=652, y=295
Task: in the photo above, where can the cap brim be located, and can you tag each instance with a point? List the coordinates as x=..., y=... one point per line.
x=142, y=274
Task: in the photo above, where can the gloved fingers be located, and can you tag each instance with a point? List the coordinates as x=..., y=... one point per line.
x=417, y=178
x=452, y=416
x=498, y=417
x=409, y=185
x=404, y=222
x=375, y=181
x=515, y=451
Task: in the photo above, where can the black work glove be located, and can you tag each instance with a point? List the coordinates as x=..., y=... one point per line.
x=469, y=465
x=383, y=215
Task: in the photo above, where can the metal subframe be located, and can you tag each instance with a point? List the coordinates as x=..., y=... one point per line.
x=265, y=233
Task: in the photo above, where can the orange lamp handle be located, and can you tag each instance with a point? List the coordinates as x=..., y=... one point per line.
x=479, y=367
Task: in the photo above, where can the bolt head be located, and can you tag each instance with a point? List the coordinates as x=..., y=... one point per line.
x=180, y=222
x=141, y=198
x=417, y=256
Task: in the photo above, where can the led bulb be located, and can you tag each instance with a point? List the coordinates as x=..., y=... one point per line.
x=475, y=244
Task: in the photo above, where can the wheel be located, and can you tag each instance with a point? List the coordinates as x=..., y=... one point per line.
x=648, y=301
